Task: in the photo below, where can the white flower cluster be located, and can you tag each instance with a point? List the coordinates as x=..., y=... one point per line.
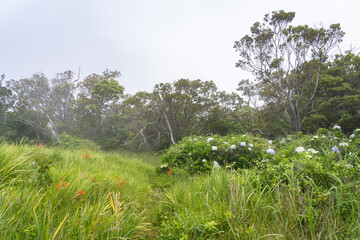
x=312, y=151
x=337, y=127
x=343, y=144
x=299, y=149
x=216, y=164
x=270, y=151
x=210, y=139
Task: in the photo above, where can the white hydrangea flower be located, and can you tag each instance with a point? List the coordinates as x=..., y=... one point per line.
x=299, y=149
x=270, y=151
x=337, y=127
x=216, y=164
x=214, y=148
x=233, y=147
x=349, y=165
x=251, y=145
x=335, y=149
x=210, y=139
x=312, y=151
x=243, y=144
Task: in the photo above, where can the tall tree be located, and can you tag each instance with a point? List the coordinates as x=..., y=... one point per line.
x=280, y=55
x=32, y=104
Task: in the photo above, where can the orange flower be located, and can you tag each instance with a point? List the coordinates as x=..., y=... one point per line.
x=79, y=195
x=61, y=185
x=41, y=145
x=168, y=172
x=119, y=183
x=85, y=151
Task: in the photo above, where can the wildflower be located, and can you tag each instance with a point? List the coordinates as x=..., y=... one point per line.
x=264, y=160
x=315, y=137
x=312, y=151
x=282, y=142
x=119, y=183
x=214, y=148
x=349, y=165
x=210, y=139
x=337, y=127
x=204, y=160
x=164, y=166
x=270, y=141
x=352, y=136
x=216, y=164
x=343, y=144
x=243, y=144
x=233, y=147
x=225, y=143
x=270, y=151
x=168, y=172
x=299, y=149
x=357, y=130
x=86, y=156
x=335, y=149
x=244, y=135
x=61, y=185
x=251, y=145
x=79, y=195
x=323, y=136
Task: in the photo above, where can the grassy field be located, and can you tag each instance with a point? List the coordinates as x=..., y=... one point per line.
x=52, y=193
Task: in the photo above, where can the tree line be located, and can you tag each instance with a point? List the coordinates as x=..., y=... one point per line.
x=301, y=83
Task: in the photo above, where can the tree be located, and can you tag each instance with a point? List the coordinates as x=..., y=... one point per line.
x=287, y=62
x=173, y=111
x=338, y=98
x=99, y=93
x=32, y=104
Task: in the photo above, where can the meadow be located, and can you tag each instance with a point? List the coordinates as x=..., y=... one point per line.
x=304, y=189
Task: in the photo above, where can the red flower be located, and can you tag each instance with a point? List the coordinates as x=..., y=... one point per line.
x=79, y=195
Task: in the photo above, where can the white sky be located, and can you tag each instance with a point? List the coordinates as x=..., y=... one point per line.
x=148, y=41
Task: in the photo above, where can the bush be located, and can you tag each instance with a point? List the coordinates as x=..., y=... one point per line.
x=72, y=142
x=198, y=154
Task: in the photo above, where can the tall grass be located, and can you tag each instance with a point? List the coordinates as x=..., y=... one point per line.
x=223, y=204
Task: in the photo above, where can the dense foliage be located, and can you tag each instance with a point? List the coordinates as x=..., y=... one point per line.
x=301, y=83
x=291, y=192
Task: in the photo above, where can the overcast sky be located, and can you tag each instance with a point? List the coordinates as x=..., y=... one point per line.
x=148, y=41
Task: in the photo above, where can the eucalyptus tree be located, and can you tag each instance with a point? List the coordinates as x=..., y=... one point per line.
x=98, y=93
x=32, y=104
x=278, y=55
x=175, y=110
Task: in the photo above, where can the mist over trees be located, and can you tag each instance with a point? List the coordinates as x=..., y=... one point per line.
x=301, y=83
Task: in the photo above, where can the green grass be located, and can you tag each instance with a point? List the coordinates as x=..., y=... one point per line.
x=220, y=205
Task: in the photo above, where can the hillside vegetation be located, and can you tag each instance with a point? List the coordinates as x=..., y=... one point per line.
x=306, y=188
